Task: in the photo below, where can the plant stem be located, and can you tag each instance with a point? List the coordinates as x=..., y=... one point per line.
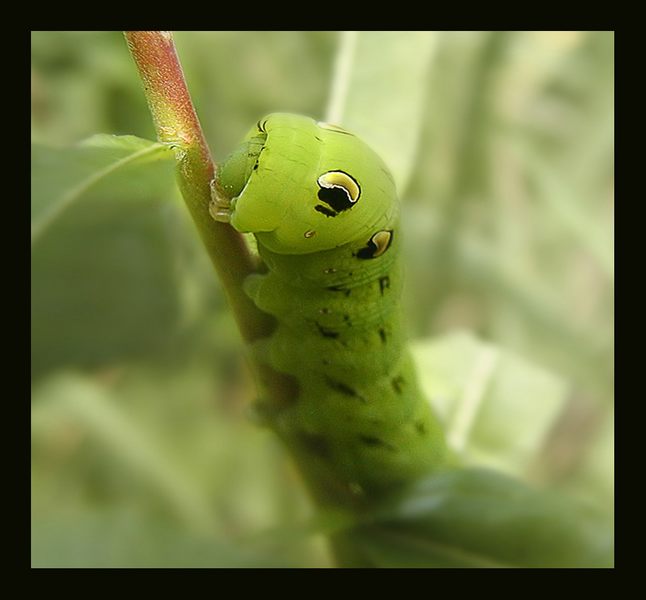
x=177, y=125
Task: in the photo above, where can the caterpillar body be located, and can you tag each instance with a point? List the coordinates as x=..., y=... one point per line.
x=323, y=208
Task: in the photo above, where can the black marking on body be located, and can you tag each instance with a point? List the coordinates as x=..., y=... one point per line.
x=338, y=288
x=366, y=252
x=346, y=319
x=325, y=332
x=335, y=197
x=339, y=190
x=257, y=163
x=384, y=283
x=326, y=211
x=398, y=384
x=382, y=335
x=420, y=426
x=344, y=389
x=316, y=444
x=371, y=440
x=377, y=245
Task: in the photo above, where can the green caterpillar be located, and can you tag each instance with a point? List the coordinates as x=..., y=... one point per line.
x=324, y=211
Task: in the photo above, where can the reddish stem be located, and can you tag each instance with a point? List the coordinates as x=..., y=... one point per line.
x=166, y=91
x=177, y=124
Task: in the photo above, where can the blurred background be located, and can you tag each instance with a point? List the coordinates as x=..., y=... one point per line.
x=143, y=450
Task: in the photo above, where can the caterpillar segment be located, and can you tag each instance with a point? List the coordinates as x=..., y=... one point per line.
x=323, y=208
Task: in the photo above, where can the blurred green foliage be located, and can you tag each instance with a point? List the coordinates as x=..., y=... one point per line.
x=481, y=518
x=142, y=450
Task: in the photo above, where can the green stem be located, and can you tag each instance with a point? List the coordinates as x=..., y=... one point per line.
x=177, y=125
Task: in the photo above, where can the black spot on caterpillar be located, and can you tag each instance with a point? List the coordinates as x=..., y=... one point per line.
x=344, y=389
x=339, y=190
x=335, y=198
x=371, y=440
x=398, y=384
x=384, y=283
x=377, y=245
x=328, y=333
x=326, y=211
x=316, y=444
x=336, y=288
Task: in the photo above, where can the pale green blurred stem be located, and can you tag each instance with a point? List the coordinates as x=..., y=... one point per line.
x=341, y=79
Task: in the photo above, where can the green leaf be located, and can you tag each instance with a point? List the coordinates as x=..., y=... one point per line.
x=152, y=467
x=497, y=407
x=105, y=283
x=60, y=177
x=127, y=538
x=72, y=398
x=480, y=518
x=379, y=90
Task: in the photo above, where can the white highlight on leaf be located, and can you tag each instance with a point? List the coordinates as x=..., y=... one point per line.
x=472, y=398
x=380, y=92
x=341, y=76
x=56, y=209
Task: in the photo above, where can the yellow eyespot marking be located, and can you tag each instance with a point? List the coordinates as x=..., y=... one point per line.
x=381, y=239
x=341, y=180
x=309, y=233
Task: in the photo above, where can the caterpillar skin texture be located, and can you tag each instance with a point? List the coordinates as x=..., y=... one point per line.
x=324, y=211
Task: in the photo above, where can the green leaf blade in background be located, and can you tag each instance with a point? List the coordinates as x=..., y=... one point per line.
x=188, y=484
x=60, y=177
x=481, y=518
x=388, y=72
x=105, y=238
x=498, y=409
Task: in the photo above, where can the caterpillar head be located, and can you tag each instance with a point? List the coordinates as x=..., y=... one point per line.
x=302, y=186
